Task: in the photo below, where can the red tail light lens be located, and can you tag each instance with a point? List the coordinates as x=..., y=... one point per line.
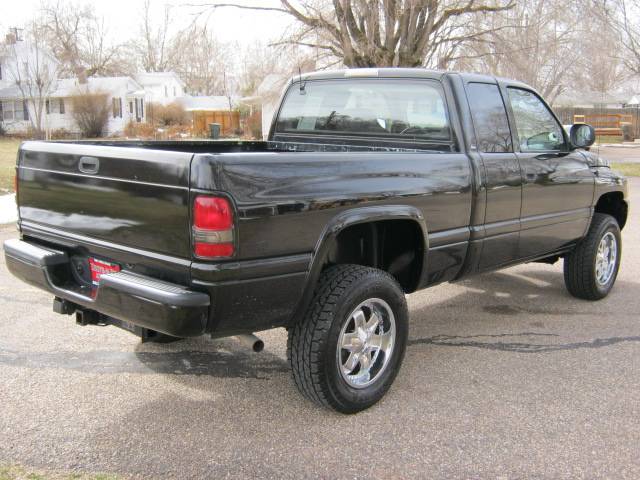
x=212, y=227
x=212, y=213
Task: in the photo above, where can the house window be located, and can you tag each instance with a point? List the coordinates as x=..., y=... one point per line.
x=14, y=110
x=174, y=92
x=20, y=111
x=7, y=110
x=166, y=92
x=142, y=107
x=116, y=104
x=0, y=71
x=62, y=111
x=47, y=106
x=131, y=108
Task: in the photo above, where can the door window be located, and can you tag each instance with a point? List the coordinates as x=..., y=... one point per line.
x=489, y=118
x=537, y=128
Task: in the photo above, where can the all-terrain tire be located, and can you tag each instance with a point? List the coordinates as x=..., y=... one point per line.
x=580, y=275
x=312, y=345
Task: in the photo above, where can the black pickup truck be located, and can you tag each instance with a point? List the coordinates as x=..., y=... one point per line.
x=373, y=184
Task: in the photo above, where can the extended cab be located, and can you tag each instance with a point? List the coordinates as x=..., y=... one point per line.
x=373, y=184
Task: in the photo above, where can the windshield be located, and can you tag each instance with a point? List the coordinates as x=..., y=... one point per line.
x=408, y=109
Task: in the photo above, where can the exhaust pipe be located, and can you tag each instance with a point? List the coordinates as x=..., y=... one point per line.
x=249, y=340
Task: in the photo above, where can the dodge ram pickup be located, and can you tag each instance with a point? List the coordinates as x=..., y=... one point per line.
x=372, y=184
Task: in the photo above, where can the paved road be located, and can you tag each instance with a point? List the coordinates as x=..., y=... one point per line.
x=506, y=376
x=621, y=154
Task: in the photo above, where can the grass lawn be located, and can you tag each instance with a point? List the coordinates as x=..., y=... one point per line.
x=608, y=139
x=628, y=169
x=8, y=151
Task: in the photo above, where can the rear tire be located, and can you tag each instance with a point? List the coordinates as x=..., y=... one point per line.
x=590, y=270
x=347, y=350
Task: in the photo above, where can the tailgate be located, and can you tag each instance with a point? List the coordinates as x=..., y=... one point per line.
x=120, y=196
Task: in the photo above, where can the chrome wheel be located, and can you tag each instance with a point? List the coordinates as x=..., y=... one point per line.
x=606, y=258
x=366, y=342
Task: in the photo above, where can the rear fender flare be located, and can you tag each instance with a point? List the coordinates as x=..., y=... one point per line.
x=347, y=219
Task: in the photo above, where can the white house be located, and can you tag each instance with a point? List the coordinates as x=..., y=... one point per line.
x=126, y=103
x=267, y=97
x=161, y=87
x=21, y=62
x=128, y=96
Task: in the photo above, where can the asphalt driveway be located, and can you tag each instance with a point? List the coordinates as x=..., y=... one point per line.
x=506, y=376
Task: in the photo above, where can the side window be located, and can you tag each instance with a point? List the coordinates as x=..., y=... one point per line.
x=489, y=118
x=536, y=126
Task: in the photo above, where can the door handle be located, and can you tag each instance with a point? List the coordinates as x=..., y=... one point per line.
x=89, y=165
x=550, y=155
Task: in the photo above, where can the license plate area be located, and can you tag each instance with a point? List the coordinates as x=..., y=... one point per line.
x=99, y=267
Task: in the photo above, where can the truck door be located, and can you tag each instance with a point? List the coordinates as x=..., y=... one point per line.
x=557, y=192
x=502, y=177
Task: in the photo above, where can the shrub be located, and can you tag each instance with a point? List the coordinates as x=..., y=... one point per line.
x=253, y=123
x=61, y=134
x=90, y=110
x=166, y=115
x=144, y=131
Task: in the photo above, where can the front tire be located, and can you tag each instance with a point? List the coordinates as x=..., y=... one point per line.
x=590, y=270
x=347, y=350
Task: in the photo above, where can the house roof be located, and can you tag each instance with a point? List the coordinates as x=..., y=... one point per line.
x=67, y=87
x=154, y=78
x=209, y=104
x=589, y=99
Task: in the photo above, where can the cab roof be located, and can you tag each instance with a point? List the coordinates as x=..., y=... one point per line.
x=387, y=72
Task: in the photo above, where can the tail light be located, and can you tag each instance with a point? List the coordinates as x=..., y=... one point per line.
x=212, y=227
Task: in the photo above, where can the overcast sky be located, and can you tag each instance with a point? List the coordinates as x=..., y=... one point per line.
x=123, y=17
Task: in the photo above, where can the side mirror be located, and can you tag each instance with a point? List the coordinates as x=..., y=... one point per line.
x=582, y=135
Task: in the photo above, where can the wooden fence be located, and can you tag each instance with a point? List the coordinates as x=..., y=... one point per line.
x=229, y=122
x=613, y=122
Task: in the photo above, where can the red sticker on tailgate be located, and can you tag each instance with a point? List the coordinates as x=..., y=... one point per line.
x=100, y=267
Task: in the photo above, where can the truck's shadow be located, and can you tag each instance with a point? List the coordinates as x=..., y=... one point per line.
x=502, y=311
x=518, y=302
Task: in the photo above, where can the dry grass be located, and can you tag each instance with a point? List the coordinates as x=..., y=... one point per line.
x=627, y=169
x=8, y=151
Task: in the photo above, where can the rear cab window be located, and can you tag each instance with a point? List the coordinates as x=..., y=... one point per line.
x=391, y=110
x=489, y=118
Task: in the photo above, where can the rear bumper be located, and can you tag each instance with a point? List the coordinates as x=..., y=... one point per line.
x=137, y=299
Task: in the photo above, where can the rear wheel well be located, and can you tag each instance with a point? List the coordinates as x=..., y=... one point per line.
x=613, y=204
x=395, y=246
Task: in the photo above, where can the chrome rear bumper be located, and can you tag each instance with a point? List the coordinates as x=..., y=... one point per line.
x=140, y=300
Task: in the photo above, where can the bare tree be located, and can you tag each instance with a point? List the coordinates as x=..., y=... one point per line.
x=535, y=42
x=624, y=16
x=600, y=66
x=368, y=33
x=201, y=60
x=34, y=73
x=154, y=46
x=78, y=39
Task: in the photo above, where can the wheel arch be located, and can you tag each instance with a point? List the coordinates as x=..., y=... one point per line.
x=614, y=204
x=367, y=218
